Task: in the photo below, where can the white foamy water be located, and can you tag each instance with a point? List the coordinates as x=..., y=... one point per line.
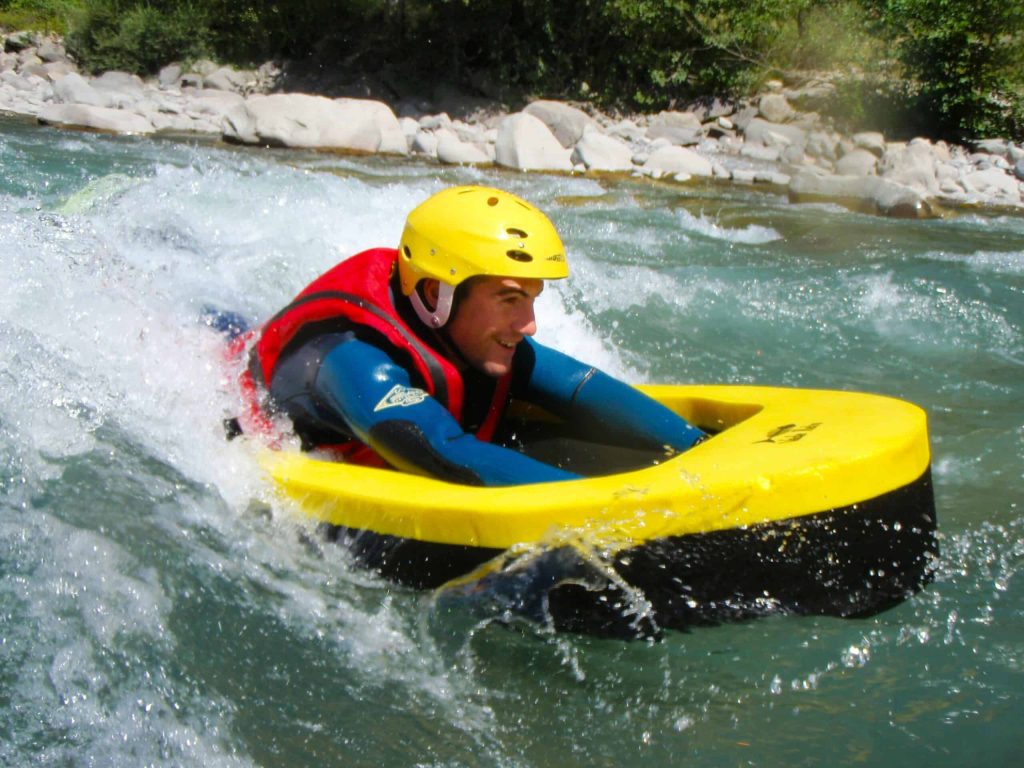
x=705, y=226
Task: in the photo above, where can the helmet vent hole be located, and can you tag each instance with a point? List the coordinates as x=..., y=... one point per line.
x=492, y=201
x=516, y=232
x=406, y=251
x=519, y=256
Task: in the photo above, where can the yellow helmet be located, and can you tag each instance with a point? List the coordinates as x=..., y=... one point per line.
x=462, y=232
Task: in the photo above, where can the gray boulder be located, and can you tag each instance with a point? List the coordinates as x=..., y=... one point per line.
x=680, y=128
x=433, y=122
x=993, y=183
x=872, y=141
x=16, y=81
x=675, y=119
x=681, y=137
x=742, y=118
x=793, y=155
x=774, y=134
x=169, y=75
x=707, y=110
x=54, y=70
x=471, y=134
x=719, y=127
x=301, y=120
x=229, y=79
x=778, y=178
x=913, y=165
x=822, y=144
x=863, y=193
x=626, y=130
x=203, y=67
x=999, y=147
x=425, y=143
x=409, y=127
x=599, y=152
x=859, y=162
x=268, y=75
x=75, y=89
x=122, y=88
x=211, y=103
x=19, y=41
x=49, y=50
x=980, y=160
x=28, y=58
x=453, y=151
x=96, y=118
x=166, y=122
x=525, y=142
x=674, y=161
x=774, y=108
x=1018, y=170
x=379, y=115
x=566, y=122
x=760, y=152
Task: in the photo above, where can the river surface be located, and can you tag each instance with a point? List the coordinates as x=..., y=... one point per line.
x=159, y=607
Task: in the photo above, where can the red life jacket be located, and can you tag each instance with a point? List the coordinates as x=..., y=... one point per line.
x=356, y=291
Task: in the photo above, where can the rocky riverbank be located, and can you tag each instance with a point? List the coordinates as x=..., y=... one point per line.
x=773, y=139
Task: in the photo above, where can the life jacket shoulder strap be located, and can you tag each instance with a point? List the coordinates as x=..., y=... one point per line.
x=435, y=373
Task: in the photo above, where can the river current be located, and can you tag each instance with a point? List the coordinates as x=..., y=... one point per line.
x=158, y=606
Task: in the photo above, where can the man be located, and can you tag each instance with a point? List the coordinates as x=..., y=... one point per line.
x=408, y=358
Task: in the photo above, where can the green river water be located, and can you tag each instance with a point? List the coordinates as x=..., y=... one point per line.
x=159, y=607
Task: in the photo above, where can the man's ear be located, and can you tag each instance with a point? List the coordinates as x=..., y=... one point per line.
x=430, y=292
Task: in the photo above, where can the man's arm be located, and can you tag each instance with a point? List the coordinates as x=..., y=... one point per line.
x=410, y=429
x=605, y=409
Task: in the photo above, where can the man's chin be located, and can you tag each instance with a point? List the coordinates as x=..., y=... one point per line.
x=497, y=370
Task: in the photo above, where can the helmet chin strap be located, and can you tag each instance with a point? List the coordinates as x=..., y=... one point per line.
x=439, y=316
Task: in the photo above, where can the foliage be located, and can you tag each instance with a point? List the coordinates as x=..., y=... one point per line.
x=142, y=35
x=657, y=51
x=964, y=60
x=137, y=37
x=634, y=53
x=39, y=15
x=645, y=53
x=957, y=63
x=871, y=102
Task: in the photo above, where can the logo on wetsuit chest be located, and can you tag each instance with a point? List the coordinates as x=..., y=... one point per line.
x=400, y=396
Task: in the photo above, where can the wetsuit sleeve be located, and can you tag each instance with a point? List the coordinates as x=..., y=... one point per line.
x=410, y=429
x=606, y=409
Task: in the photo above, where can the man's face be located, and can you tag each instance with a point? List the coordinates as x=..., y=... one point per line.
x=492, y=319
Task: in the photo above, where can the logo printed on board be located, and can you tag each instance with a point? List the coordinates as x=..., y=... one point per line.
x=790, y=433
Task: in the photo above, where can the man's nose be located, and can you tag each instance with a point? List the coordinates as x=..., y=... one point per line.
x=526, y=323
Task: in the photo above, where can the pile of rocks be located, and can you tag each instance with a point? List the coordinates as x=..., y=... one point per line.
x=763, y=141
x=38, y=79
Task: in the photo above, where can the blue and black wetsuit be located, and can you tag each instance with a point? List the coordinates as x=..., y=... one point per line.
x=346, y=381
x=340, y=387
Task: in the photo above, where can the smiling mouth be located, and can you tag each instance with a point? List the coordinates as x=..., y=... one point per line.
x=506, y=344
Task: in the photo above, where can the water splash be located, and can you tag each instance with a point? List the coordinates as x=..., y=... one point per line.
x=752, y=234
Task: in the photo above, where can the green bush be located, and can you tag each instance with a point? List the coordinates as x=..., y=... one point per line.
x=39, y=15
x=864, y=102
x=137, y=37
x=963, y=61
